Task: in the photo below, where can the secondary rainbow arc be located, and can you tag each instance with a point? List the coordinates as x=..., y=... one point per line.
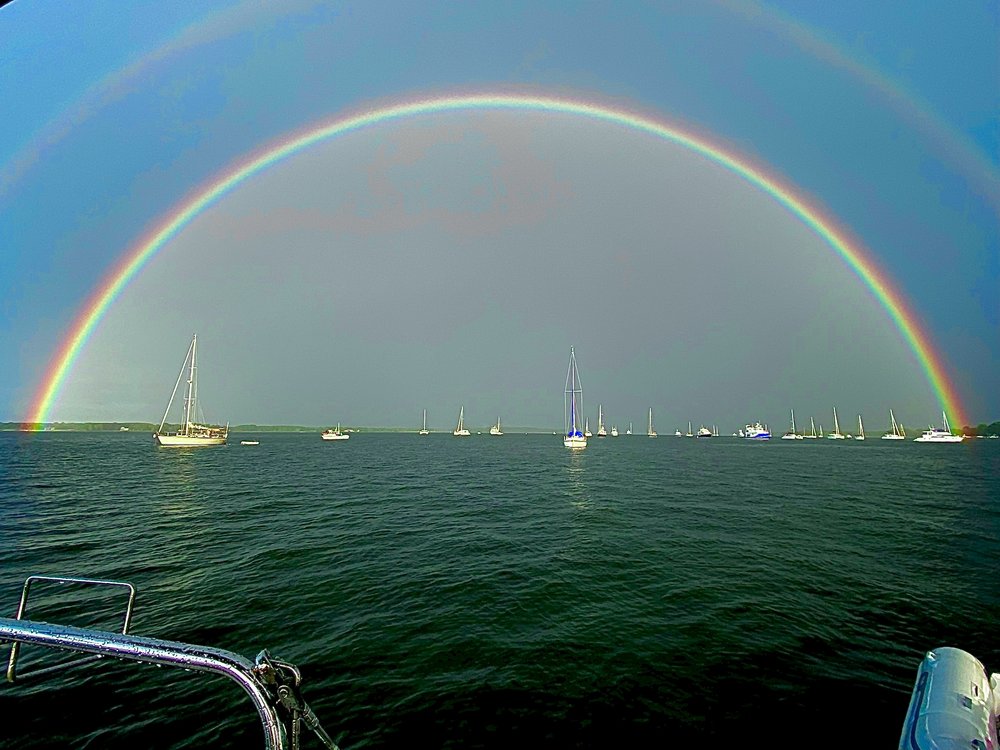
x=838, y=239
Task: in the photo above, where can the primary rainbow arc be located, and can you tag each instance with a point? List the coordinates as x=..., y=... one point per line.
x=140, y=253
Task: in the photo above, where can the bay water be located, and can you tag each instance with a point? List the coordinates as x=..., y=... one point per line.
x=488, y=591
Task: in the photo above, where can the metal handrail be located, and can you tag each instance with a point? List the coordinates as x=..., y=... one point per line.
x=273, y=685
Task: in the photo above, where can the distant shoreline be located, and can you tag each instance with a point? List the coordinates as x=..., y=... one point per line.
x=146, y=427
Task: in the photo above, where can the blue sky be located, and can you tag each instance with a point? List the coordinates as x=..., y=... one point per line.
x=696, y=295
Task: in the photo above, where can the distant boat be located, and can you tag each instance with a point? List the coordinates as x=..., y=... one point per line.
x=191, y=434
x=689, y=433
x=572, y=406
x=812, y=431
x=650, y=432
x=601, y=432
x=614, y=431
x=835, y=435
x=586, y=429
x=756, y=431
x=896, y=430
x=792, y=434
x=861, y=430
x=678, y=433
x=704, y=432
x=123, y=429
x=335, y=434
x=939, y=434
x=424, y=430
x=249, y=442
x=715, y=431
x=460, y=430
x=495, y=429
x=629, y=430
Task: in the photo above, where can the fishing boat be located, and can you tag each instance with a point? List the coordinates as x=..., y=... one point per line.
x=460, y=430
x=650, y=432
x=191, y=434
x=495, y=429
x=861, y=430
x=792, y=434
x=836, y=434
x=812, y=430
x=572, y=406
x=756, y=431
x=896, y=431
x=423, y=429
x=704, y=432
x=939, y=434
x=334, y=434
x=601, y=432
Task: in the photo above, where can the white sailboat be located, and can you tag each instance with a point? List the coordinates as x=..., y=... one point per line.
x=629, y=430
x=792, y=434
x=335, y=434
x=495, y=429
x=601, y=432
x=897, y=432
x=190, y=434
x=861, y=430
x=689, y=433
x=939, y=434
x=586, y=429
x=650, y=432
x=460, y=430
x=572, y=406
x=835, y=435
x=424, y=430
x=812, y=430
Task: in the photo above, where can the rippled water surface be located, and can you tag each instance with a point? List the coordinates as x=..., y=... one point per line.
x=484, y=591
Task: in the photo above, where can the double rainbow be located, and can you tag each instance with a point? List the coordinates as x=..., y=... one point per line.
x=139, y=254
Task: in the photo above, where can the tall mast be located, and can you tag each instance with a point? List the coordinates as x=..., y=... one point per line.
x=189, y=401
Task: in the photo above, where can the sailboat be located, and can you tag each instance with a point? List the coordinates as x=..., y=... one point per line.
x=334, y=434
x=495, y=429
x=897, y=432
x=835, y=435
x=572, y=406
x=792, y=434
x=650, y=432
x=689, y=431
x=601, y=432
x=190, y=434
x=812, y=430
x=939, y=434
x=861, y=430
x=629, y=430
x=460, y=430
x=586, y=429
x=424, y=430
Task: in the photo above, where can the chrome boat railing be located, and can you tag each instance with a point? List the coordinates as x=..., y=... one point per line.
x=273, y=685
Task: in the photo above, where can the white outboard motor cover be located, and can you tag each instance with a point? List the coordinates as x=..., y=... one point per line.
x=953, y=706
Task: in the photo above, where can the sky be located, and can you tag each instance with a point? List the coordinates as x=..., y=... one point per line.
x=452, y=259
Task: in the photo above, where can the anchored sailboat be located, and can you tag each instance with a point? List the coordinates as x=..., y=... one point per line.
x=650, y=432
x=424, y=430
x=792, y=434
x=835, y=435
x=601, y=432
x=572, y=406
x=335, y=434
x=495, y=429
x=896, y=430
x=190, y=434
x=460, y=430
x=861, y=430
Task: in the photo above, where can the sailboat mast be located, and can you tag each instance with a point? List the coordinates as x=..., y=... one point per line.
x=189, y=401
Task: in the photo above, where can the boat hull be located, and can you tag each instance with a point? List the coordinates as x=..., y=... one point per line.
x=187, y=441
x=334, y=436
x=575, y=442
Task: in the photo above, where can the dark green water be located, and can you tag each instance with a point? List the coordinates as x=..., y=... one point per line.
x=483, y=592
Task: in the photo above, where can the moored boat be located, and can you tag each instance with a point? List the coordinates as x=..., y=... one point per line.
x=573, y=437
x=190, y=434
x=939, y=434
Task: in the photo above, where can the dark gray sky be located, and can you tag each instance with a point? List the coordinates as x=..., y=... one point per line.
x=453, y=260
